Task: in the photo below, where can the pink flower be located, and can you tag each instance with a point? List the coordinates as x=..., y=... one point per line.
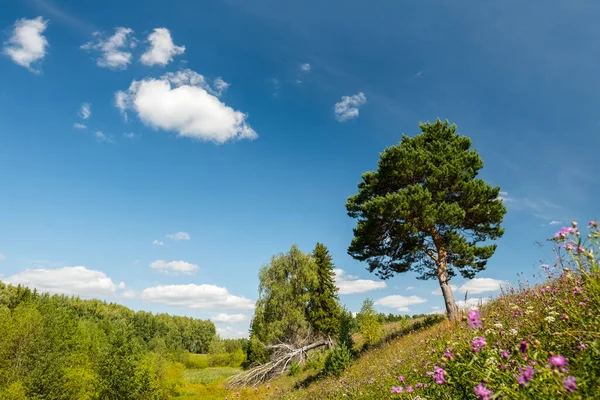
x=474, y=319
x=409, y=389
x=478, y=343
x=482, y=392
x=527, y=375
x=401, y=379
x=558, y=361
x=438, y=375
x=523, y=347
x=397, y=389
x=504, y=354
x=570, y=384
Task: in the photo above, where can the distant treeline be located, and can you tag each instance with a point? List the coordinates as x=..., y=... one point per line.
x=60, y=347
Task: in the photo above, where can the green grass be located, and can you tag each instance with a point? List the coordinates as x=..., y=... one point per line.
x=207, y=376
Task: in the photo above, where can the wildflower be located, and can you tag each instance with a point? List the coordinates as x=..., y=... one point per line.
x=448, y=353
x=482, y=392
x=593, y=224
x=570, y=384
x=526, y=375
x=581, y=303
x=419, y=385
x=401, y=379
x=513, y=331
x=580, y=249
x=523, y=347
x=397, y=389
x=474, y=319
x=498, y=325
x=478, y=343
x=505, y=354
x=409, y=389
x=489, y=331
x=558, y=361
x=438, y=375
x=582, y=346
x=550, y=318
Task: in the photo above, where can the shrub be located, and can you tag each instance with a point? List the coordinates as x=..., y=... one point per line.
x=337, y=360
x=294, y=369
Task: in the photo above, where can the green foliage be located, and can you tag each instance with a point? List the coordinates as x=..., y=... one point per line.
x=368, y=323
x=323, y=307
x=425, y=210
x=315, y=361
x=346, y=328
x=284, y=293
x=294, y=368
x=256, y=352
x=338, y=360
x=63, y=347
x=209, y=375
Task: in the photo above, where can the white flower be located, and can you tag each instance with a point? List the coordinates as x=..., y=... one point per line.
x=490, y=360
x=513, y=332
x=553, y=313
x=498, y=325
x=489, y=331
x=528, y=311
x=550, y=319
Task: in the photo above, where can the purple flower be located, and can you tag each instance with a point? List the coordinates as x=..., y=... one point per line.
x=475, y=319
x=570, y=384
x=482, y=392
x=409, y=389
x=438, y=375
x=582, y=346
x=448, y=353
x=505, y=354
x=558, y=361
x=523, y=347
x=527, y=375
x=419, y=385
x=401, y=379
x=478, y=343
x=397, y=389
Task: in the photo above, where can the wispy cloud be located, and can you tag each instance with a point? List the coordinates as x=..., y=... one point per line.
x=77, y=125
x=349, y=284
x=114, y=50
x=399, y=302
x=157, y=243
x=306, y=67
x=174, y=267
x=85, y=111
x=102, y=138
x=179, y=236
x=27, y=46
x=538, y=207
x=348, y=107
x=60, y=15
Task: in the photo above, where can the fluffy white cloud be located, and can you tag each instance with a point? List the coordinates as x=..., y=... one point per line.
x=85, y=111
x=179, y=236
x=439, y=291
x=229, y=318
x=472, y=303
x=77, y=125
x=78, y=281
x=220, y=86
x=114, y=50
x=399, y=302
x=231, y=333
x=27, y=45
x=305, y=67
x=183, y=102
x=410, y=288
x=162, y=49
x=481, y=285
x=348, y=107
x=181, y=267
x=196, y=296
x=349, y=284
x=157, y=243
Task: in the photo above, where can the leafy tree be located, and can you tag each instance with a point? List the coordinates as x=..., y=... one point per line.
x=425, y=210
x=346, y=328
x=324, y=308
x=284, y=293
x=368, y=323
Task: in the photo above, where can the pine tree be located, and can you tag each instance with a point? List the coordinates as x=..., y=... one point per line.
x=324, y=308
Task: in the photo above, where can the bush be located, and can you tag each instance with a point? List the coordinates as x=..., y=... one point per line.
x=294, y=369
x=316, y=362
x=337, y=360
x=346, y=327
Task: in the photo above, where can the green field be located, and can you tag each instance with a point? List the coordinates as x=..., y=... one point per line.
x=209, y=375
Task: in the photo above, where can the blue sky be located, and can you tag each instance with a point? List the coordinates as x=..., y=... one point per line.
x=245, y=165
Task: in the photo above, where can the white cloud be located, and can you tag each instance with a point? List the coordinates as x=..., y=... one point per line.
x=101, y=137
x=131, y=135
x=181, y=267
x=410, y=288
x=349, y=284
x=183, y=102
x=399, y=302
x=229, y=318
x=348, y=107
x=85, y=111
x=435, y=308
x=220, y=86
x=196, y=297
x=305, y=67
x=114, y=54
x=162, y=49
x=77, y=125
x=157, y=243
x=231, y=333
x=78, y=281
x=472, y=303
x=129, y=294
x=439, y=291
x=26, y=45
x=2, y=257
x=554, y=222
x=481, y=285
x=179, y=236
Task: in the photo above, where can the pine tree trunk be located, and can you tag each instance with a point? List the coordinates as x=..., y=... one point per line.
x=442, y=273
